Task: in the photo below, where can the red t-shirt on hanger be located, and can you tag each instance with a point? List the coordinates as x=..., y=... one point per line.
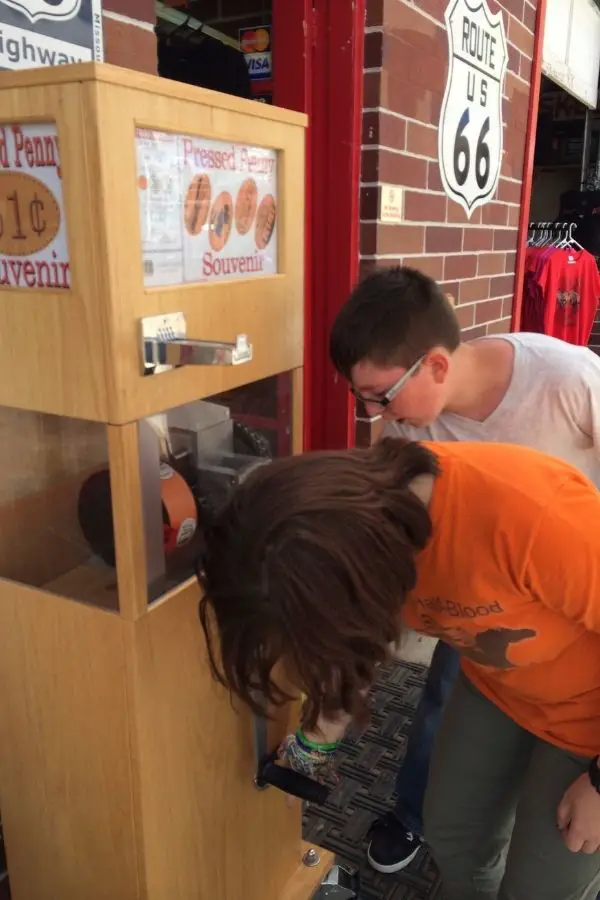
x=534, y=305
x=570, y=284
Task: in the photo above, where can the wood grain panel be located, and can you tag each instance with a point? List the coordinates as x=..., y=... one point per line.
x=65, y=760
x=55, y=351
x=207, y=831
x=269, y=309
x=77, y=352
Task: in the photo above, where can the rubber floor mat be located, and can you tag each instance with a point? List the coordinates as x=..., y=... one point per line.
x=367, y=765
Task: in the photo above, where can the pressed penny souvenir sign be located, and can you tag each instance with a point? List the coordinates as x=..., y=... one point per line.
x=33, y=233
x=208, y=209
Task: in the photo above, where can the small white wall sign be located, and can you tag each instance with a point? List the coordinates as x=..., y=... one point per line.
x=391, y=203
x=470, y=140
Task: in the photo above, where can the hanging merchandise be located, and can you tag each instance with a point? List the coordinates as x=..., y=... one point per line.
x=562, y=284
x=194, y=53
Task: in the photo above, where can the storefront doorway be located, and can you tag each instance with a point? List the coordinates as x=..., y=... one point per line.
x=564, y=212
x=561, y=186
x=305, y=56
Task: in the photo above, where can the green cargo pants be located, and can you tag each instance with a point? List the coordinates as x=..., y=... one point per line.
x=490, y=809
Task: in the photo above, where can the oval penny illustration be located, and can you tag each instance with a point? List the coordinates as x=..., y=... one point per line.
x=221, y=218
x=197, y=204
x=265, y=221
x=29, y=214
x=245, y=205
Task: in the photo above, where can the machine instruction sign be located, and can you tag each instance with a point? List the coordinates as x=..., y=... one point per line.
x=36, y=33
x=208, y=209
x=470, y=136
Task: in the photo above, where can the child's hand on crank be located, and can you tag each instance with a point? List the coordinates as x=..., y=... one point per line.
x=309, y=757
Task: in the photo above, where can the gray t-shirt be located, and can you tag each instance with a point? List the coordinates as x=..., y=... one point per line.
x=552, y=404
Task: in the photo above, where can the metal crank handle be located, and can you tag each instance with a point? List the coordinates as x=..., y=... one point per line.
x=290, y=782
x=165, y=345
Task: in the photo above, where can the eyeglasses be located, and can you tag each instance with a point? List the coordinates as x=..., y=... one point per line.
x=392, y=392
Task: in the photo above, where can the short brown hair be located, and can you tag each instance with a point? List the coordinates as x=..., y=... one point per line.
x=307, y=567
x=393, y=317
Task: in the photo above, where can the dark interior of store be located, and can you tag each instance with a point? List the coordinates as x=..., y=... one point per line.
x=566, y=178
x=226, y=46
x=223, y=45
x=565, y=193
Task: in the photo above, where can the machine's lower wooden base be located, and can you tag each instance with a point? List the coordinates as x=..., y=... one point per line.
x=305, y=880
x=125, y=774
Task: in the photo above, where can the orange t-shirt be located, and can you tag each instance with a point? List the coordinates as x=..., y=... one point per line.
x=511, y=578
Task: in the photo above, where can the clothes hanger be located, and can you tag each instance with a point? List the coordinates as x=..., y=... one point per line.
x=562, y=239
x=572, y=240
x=541, y=240
x=568, y=241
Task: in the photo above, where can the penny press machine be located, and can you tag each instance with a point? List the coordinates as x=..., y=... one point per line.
x=151, y=325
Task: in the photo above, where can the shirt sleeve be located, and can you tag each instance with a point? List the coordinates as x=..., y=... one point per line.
x=588, y=401
x=563, y=567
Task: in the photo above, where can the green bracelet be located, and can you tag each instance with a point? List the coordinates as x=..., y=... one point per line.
x=313, y=745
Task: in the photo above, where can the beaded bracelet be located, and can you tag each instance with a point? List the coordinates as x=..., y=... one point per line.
x=306, y=756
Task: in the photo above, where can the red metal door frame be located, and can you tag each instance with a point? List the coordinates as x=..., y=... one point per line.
x=532, y=118
x=318, y=67
x=292, y=89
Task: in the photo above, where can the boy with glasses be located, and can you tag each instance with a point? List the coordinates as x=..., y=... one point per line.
x=397, y=341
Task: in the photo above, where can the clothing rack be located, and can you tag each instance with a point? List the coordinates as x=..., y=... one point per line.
x=557, y=233
x=561, y=284
x=187, y=27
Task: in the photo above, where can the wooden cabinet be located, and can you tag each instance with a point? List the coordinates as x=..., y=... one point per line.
x=125, y=200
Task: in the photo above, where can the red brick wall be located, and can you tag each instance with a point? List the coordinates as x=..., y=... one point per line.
x=129, y=38
x=406, y=63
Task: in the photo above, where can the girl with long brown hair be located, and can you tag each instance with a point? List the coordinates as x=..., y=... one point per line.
x=315, y=563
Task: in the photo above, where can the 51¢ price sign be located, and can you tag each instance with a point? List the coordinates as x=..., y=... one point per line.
x=33, y=234
x=29, y=214
x=470, y=136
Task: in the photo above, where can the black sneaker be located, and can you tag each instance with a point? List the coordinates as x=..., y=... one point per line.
x=391, y=847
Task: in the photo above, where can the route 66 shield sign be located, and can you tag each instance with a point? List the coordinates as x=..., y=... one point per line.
x=53, y=10
x=470, y=131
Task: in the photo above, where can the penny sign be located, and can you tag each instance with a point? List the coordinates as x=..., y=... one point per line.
x=33, y=241
x=208, y=209
x=29, y=214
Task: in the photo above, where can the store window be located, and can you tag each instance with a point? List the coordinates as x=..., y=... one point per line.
x=190, y=459
x=57, y=531
x=223, y=45
x=559, y=151
x=562, y=283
